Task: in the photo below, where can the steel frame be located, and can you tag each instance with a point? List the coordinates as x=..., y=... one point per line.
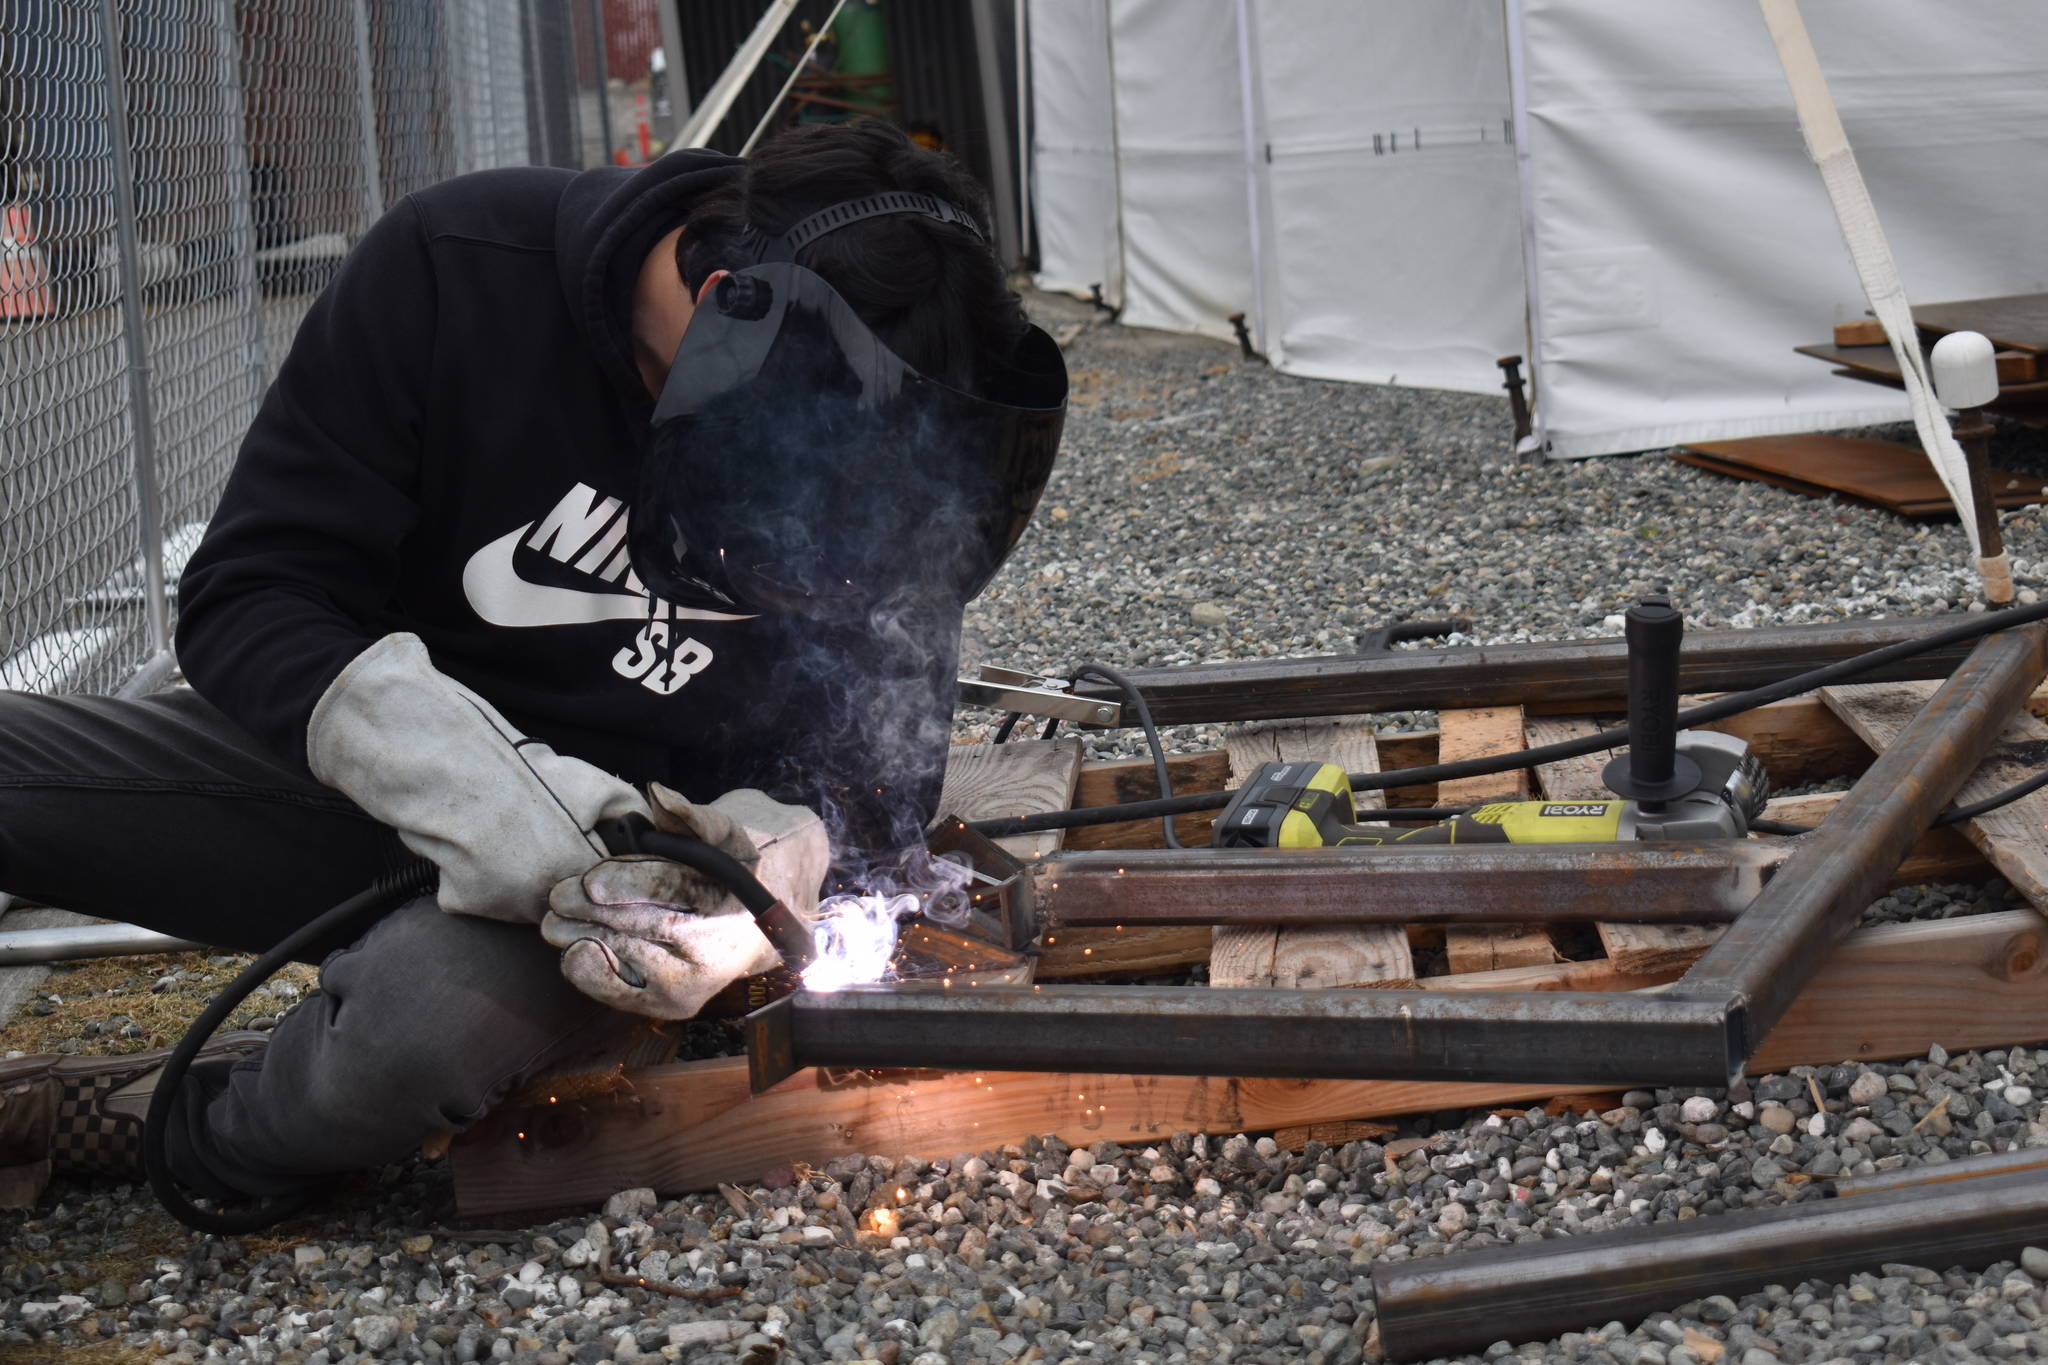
x=1700, y=1030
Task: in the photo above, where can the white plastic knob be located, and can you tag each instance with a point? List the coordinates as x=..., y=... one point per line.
x=1965, y=374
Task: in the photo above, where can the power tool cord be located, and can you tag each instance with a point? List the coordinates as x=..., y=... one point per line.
x=1158, y=746
x=1948, y=817
x=390, y=891
x=1720, y=708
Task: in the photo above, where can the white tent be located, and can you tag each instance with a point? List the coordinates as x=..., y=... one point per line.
x=1400, y=191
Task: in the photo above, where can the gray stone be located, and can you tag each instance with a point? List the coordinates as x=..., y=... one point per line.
x=375, y=1332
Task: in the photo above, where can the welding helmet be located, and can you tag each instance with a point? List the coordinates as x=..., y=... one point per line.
x=799, y=466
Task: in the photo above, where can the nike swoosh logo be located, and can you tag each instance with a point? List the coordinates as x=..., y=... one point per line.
x=500, y=596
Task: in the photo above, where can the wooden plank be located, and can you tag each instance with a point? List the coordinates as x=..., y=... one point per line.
x=1479, y=732
x=1941, y=855
x=1114, y=784
x=1137, y=949
x=1883, y=474
x=1026, y=777
x=1366, y=955
x=2011, y=838
x=1884, y=993
x=1861, y=332
x=1638, y=948
x=2014, y=321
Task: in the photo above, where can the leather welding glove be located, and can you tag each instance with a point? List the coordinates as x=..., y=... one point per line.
x=504, y=817
x=653, y=937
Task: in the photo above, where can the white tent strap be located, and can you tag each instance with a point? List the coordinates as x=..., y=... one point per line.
x=1829, y=147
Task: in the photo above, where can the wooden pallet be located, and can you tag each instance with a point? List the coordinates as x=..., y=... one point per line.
x=1886, y=992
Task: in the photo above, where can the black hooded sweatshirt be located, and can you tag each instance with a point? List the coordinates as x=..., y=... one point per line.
x=448, y=450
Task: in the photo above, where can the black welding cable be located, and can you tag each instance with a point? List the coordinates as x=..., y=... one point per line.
x=1948, y=817
x=390, y=891
x=1009, y=724
x=1158, y=746
x=1733, y=704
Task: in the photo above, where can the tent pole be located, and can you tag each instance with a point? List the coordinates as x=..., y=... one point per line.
x=1247, y=84
x=1532, y=445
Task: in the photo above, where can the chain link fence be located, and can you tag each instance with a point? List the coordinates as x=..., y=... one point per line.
x=178, y=180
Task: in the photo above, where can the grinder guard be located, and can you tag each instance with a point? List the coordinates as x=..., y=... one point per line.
x=800, y=466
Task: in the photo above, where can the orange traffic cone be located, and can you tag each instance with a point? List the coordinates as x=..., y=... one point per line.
x=24, y=272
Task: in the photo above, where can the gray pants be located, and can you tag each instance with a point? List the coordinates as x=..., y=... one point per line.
x=163, y=813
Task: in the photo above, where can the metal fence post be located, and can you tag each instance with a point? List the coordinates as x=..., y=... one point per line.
x=241, y=213
x=142, y=416
x=601, y=72
x=366, y=110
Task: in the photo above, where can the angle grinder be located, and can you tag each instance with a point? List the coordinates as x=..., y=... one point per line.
x=1669, y=784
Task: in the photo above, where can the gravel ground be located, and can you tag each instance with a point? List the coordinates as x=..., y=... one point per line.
x=1207, y=509
x=1196, y=1249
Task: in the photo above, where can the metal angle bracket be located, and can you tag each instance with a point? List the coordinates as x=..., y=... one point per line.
x=1009, y=689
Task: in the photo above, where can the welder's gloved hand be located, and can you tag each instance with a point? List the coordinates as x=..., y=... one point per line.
x=653, y=937
x=504, y=817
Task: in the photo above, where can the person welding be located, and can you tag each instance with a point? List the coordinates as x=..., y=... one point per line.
x=651, y=493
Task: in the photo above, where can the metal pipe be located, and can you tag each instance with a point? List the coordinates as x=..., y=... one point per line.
x=601, y=72
x=148, y=498
x=1021, y=38
x=1445, y=1305
x=676, y=75
x=1767, y=956
x=1582, y=672
x=366, y=113
x=153, y=673
x=1589, y=1038
x=22, y=947
x=1641, y=882
x=1002, y=185
x=718, y=100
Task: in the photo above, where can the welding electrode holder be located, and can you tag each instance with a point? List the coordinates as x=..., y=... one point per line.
x=1652, y=771
x=777, y=922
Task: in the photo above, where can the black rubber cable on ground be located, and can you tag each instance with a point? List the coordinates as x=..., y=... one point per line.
x=389, y=892
x=1733, y=704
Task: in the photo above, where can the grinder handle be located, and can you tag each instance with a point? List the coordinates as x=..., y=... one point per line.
x=1652, y=771
x=1653, y=629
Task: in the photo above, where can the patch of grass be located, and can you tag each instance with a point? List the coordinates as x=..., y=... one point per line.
x=114, y=991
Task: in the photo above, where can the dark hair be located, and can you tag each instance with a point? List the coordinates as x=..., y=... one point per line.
x=931, y=291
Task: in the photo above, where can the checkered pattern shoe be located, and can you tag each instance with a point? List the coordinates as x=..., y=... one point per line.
x=86, y=1113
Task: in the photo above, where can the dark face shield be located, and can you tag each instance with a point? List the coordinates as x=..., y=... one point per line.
x=800, y=467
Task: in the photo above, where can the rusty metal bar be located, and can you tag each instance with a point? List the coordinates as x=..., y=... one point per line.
x=1944, y=1172
x=1577, y=671
x=1645, y=882
x=1445, y=1305
x=1591, y=1038
x=1768, y=955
